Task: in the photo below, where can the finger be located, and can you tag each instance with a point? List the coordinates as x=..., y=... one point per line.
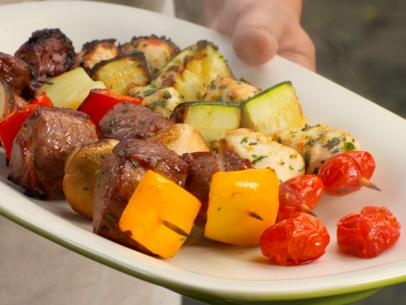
x=301, y=49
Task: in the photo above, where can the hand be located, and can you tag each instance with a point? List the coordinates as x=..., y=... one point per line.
x=262, y=28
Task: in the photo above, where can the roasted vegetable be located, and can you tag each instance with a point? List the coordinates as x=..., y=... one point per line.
x=70, y=89
x=119, y=73
x=11, y=125
x=181, y=138
x=242, y=204
x=159, y=215
x=317, y=143
x=100, y=101
x=162, y=100
x=81, y=169
x=227, y=89
x=192, y=70
x=158, y=51
x=265, y=153
x=96, y=51
x=212, y=119
x=274, y=109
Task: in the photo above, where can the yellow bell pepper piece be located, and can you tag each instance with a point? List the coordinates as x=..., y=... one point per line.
x=242, y=204
x=159, y=215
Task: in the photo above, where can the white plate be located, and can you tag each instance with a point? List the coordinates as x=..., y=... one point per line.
x=205, y=271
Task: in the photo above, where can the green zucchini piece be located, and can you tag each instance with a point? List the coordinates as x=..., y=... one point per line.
x=212, y=119
x=274, y=109
x=122, y=72
x=70, y=89
x=193, y=69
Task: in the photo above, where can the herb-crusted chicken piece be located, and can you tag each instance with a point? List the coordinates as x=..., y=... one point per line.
x=96, y=51
x=317, y=143
x=227, y=89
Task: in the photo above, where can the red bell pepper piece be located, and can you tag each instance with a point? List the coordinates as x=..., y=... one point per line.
x=100, y=101
x=11, y=124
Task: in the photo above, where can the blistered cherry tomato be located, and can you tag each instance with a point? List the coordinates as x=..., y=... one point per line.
x=294, y=241
x=299, y=194
x=367, y=233
x=347, y=172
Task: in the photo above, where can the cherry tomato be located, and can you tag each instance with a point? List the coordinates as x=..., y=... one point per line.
x=294, y=241
x=367, y=233
x=347, y=172
x=299, y=194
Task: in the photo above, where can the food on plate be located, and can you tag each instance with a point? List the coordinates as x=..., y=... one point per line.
x=120, y=175
x=96, y=51
x=367, y=233
x=16, y=73
x=299, y=194
x=100, y=101
x=212, y=119
x=193, y=69
x=161, y=100
x=242, y=204
x=81, y=168
x=182, y=143
x=347, y=172
x=159, y=215
x=265, y=153
x=202, y=166
x=121, y=72
x=49, y=52
x=274, y=109
x=317, y=143
x=227, y=89
x=295, y=241
x=11, y=125
x=158, y=51
x=181, y=138
x=70, y=89
x=43, y=144
x=127, y=120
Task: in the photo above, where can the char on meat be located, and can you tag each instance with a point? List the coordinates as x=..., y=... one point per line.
x=202, y=166
x=49, y=52
x=42, y=145
x=15, y=72
x=127, y=120
x=119, y=177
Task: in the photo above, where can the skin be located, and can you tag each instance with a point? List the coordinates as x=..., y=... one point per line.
x=260, y=29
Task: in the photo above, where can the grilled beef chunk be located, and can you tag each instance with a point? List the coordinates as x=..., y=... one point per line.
x=127, y=120
x=15, y=72
x=119, y=177
x=42, y=145
x=49, y=52
x=202, y=166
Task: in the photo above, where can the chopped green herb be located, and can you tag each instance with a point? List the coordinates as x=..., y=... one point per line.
x=291, y=168
x=307, y=157
x=310, y=142
x=316, y=171
x=222, y=87
x=252, y=143
x=348, y=146
x=113, y=122
x=244, y=140
x=333, y=142
x=293, y=156
x=281, y=163
x=157, y=103
x=148, y=92
x=256, y=159
x=335, y=151
x=166, y=94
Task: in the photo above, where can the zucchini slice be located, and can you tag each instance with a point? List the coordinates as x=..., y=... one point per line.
x=274, y=109
x=212, y=119
x=192, y=70
x=119, y=73
x=71, y=88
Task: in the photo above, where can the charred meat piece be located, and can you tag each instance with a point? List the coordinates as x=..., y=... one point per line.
x=15, y=72
x=49, y=52
x=158, y=51
x=202, y=166
x=96, y=51
x=9, y=101
x=119, y=176
x=127, y=120
x=42, y=145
